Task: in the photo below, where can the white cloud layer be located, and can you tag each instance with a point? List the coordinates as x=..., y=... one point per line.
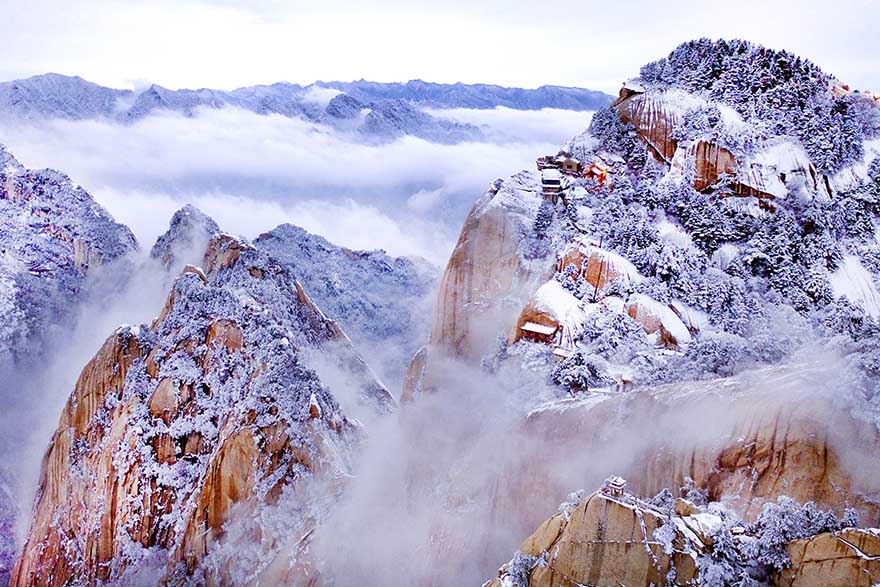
x=253, y=172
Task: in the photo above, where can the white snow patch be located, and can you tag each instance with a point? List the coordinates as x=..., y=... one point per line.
x=856, y=283
x=781, y=168
x=559, y=303
x=673, y=234
x=634, y=86
x=724, y=255
x=691, y=316
x=670, y=321
x=613, y=261
x=319, y=96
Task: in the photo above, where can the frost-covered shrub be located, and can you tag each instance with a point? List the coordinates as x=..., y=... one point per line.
x=693, y=493
x=720, y=353
x=613, y=336
x=781, y=522
x=708, y=223
x=776, y=332
x=654, y=288
x=581, y=371
x=724, y=298
x=544, y=218
x=518, y=570
x=753, y=558
x=665, y=534
x=612, y=134
x=843, y=317
x=697, y=123
x=874, y=171
x=668, y=261
x=664, y=500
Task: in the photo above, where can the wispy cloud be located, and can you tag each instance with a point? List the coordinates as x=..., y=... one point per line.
x=254, y=172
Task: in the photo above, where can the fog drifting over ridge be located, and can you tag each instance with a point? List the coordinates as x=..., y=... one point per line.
x=252, y=172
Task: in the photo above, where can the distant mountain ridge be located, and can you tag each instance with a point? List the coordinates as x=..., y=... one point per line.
x=371, y=109
x=461, y=95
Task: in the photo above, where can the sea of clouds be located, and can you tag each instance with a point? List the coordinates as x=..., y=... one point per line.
x=252, y=172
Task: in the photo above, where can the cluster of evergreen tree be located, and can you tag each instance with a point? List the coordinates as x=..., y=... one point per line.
x=754, y=558
x=762, y=305
x=779, y=92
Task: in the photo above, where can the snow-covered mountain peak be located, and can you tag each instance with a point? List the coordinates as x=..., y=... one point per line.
x=186, y=238
x=8, y=163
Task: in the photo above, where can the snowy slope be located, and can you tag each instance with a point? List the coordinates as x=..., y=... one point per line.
x=379, y=300
x=52, y=234
x=857, y=284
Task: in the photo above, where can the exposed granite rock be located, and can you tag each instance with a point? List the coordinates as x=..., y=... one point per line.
x=186, y=238
x=491, y=273
x=604, y=542
x=849, y=558
x=172, y=427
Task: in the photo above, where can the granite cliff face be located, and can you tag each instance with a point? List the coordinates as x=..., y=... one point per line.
x=495, y=265
x=174, y=427
x=848, y=558
x=606, y=540
x=765, y=433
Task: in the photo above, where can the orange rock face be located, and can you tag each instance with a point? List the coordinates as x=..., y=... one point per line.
x=710, y=163
x=653, y=122
x=849, y=558
x=739, y=439
x=487, y=280
x=607, y=541
x=172, y=428
x=604, y=542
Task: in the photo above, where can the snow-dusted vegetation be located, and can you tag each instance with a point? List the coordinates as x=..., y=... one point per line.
x=687, y=294
x=725, y=266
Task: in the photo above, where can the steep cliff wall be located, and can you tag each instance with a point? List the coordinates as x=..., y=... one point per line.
x=745, y=440
x=495, y=266
x=171, y=428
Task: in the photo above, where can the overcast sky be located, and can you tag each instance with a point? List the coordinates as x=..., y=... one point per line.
x=231, y=43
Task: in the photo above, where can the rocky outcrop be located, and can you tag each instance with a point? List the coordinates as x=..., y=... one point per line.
x=186, y=238
x=711, y=163
x=849, y=558
x=765, y=175
x=653, y=120
x=773, y=432
x=495, y=266
x=52, y=235
x=176, y=429
x=604, y=541
x=379, y=300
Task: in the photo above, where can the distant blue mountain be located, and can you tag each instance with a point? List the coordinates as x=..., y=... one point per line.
x=474, y=95
x=369, y=109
